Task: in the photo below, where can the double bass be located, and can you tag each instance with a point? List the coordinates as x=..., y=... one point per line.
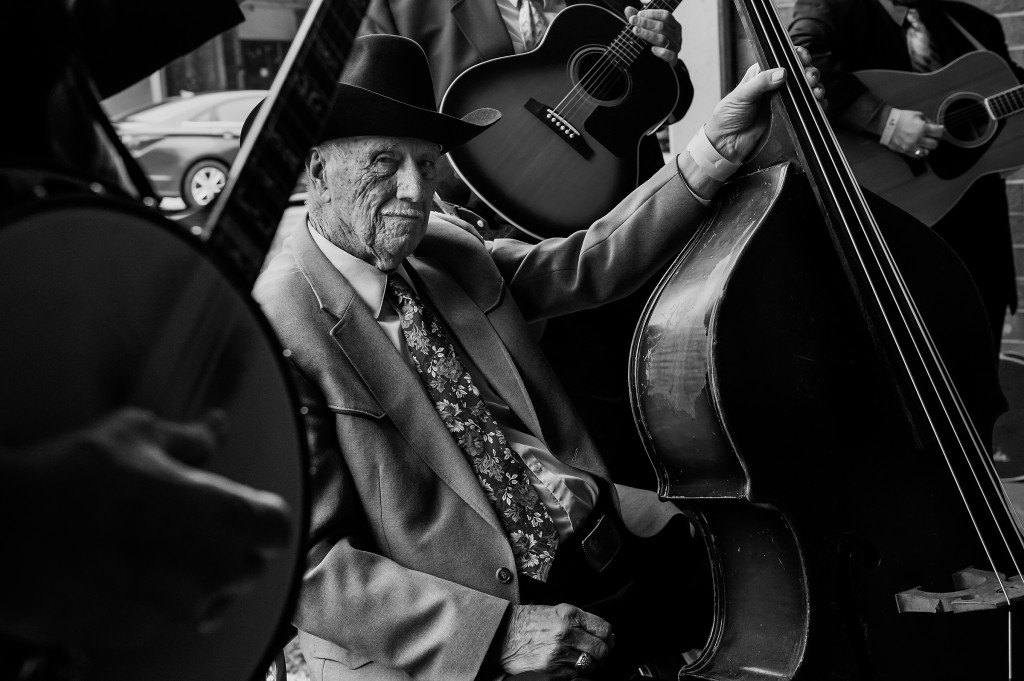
x=813, y=376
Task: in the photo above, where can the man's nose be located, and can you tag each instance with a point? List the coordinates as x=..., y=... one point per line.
x=412, y=186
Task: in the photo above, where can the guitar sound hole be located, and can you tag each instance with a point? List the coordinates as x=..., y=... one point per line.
x=967, y=121
x=599, y=76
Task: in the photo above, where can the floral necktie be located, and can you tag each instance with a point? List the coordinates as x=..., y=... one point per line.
x=501, y=472
x=923, y=56
x=532, y=22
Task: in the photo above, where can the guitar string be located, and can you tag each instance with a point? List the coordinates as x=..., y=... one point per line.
x=978, y=110
x=601, y=74
x=885, y=314
x=626, y=47
x=597, y=76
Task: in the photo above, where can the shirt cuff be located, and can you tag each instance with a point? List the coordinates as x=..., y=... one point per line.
x=715, y=165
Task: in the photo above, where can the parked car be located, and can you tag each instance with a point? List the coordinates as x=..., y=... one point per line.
x=186, y=144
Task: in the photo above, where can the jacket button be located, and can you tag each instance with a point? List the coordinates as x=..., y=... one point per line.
x=504, y=575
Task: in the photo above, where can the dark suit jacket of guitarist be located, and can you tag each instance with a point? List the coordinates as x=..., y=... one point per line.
x=844, y=36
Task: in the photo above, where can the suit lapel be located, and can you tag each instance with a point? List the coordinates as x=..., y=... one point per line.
x=478, y=339
x=395, y=387
x=483, y=27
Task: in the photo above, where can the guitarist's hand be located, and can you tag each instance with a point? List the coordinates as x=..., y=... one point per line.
x=660, y=29
x=114, y=540
x=739, y=119
x=914, y=136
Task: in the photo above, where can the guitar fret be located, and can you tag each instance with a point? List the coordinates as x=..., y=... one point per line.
x=1006, y=103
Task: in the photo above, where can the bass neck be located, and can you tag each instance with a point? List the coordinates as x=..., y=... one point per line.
x=243, y=221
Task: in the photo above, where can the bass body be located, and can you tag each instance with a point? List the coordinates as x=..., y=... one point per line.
x=977, y=99
x=573, y=113
x=762, y=401
x=815, y=377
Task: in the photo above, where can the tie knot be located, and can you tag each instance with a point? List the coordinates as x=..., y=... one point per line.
x=400, y=290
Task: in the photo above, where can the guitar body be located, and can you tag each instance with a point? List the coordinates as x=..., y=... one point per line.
x=525, y=166
x=107, y=305
x=972, y=146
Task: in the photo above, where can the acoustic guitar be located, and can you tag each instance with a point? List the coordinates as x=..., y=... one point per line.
x=106, y=304
x=573, y=112
x=976, y=98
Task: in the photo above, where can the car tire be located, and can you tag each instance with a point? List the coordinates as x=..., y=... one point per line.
x=203, y=181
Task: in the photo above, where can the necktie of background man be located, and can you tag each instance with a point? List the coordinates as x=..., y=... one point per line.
x=502, y=474
x=924, y=58
x=532, y=22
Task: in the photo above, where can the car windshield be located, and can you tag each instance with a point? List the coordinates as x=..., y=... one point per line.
x=166, y=111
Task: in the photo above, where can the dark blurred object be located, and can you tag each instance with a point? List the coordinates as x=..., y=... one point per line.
x=1008, y=434
x=186, y=144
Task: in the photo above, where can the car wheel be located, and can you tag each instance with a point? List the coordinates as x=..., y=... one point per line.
x=203, y=181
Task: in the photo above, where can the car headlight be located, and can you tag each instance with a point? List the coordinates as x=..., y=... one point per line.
x=137, y=143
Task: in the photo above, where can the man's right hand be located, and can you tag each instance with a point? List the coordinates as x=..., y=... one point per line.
x=119, y=539
x=550, y=639
x=914, y=136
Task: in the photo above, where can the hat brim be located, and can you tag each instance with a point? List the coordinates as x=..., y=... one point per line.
x=360, y=112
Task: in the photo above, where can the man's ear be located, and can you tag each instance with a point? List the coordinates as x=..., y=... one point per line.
x=317, y=168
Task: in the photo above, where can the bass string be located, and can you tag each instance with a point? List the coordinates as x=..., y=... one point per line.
x=948, y=384
x=871, y=230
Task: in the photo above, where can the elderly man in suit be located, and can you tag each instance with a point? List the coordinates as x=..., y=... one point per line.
x=458, y=35
x=844, y=36
x=463, y=522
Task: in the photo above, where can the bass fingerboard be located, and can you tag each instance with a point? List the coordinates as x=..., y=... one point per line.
x=245, y=217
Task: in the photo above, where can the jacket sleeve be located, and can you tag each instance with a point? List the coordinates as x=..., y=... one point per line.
x=369, y=605
x=817, y=25
x=609, y=260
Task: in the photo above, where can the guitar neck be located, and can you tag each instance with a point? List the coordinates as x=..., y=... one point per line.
x=626, y=47
x=246, y=215
x=1006, y=103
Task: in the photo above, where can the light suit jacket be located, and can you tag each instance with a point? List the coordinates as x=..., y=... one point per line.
x=408, y=563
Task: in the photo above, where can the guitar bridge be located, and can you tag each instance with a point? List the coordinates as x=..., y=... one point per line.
x=560, y=126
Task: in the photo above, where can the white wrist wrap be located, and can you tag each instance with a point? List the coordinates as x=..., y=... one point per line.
x=890, y=126
x=716, y=166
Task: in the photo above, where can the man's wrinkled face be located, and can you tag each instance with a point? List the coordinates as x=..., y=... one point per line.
x=377, y=193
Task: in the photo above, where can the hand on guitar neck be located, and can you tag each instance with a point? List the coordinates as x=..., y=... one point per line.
x=661, y=29
x=140, y=543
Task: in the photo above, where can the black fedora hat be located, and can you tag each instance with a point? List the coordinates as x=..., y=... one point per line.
x=386, y=91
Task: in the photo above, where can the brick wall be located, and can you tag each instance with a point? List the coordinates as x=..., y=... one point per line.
x=1011, y=13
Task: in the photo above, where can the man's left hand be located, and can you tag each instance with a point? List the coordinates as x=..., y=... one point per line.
x=660, y=29
x=738, y=121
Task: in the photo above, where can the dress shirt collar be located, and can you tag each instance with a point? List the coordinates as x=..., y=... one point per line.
x=897, y=12
x=368, y=281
